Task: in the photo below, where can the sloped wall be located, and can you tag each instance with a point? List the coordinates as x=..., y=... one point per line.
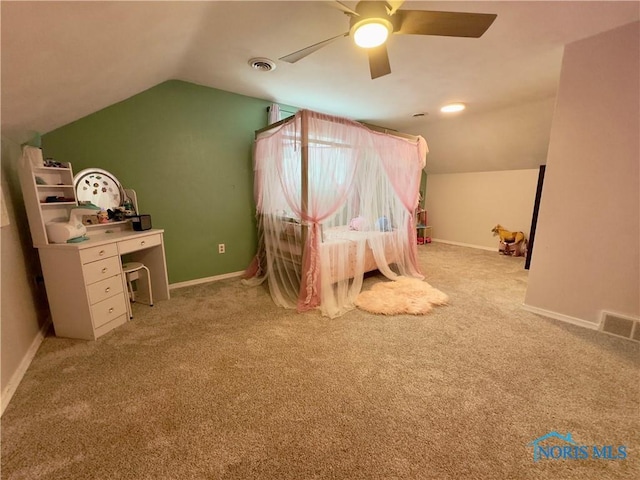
x=510, y=138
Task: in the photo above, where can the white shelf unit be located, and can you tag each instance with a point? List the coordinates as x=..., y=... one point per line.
x=40, y=183
x=423, y=230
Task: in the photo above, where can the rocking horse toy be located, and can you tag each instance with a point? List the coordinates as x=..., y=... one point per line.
x=511, y=243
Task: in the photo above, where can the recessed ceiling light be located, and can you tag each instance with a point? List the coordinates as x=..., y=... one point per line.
x=262, y=64
x=453, y=107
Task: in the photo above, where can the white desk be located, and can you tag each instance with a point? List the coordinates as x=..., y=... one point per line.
x=85, y=285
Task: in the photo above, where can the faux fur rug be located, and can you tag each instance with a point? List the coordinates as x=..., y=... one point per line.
x=405, y=295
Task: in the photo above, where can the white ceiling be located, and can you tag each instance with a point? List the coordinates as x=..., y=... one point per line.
x=64, y=60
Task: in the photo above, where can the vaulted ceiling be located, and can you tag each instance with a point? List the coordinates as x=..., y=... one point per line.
x=64, y=60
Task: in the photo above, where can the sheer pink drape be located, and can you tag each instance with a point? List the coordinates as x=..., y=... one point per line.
x=334, y=200
x=406, y=181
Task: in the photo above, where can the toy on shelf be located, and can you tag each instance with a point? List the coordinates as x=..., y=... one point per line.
x=103, y=216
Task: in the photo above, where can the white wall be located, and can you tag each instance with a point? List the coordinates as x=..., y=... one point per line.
x=587, y=243
x=23, y=307
x=462, y=208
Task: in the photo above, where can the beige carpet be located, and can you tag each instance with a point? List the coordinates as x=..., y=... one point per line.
x=218, y=383
x=403, y=295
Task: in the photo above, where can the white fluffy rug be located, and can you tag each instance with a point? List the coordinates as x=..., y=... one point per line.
x=405, y=295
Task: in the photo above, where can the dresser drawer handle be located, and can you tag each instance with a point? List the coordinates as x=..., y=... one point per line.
x=142, y=243
x=107, y=290
x=104, y=270
x=101, y=253
x=111, y=310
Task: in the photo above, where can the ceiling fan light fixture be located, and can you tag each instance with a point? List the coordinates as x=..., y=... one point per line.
x=370, y=33
x=453, y=107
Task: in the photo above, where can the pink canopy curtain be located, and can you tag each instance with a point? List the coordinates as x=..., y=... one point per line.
x=334, y=200
x=405, y=179
x=331, y=160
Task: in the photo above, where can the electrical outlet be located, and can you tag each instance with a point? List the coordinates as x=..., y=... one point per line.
x=221, y=248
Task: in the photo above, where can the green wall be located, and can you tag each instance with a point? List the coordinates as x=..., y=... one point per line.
x=187, y=152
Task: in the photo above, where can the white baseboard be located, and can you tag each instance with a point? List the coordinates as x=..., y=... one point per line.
x=16, y=378
x=198, y=281
x=563, y=318
x=459, y=244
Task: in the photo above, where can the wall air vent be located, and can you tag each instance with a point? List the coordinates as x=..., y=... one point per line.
x=262, y=64
x=620, y=325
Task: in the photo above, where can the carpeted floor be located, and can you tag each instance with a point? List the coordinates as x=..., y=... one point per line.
x=218, y=383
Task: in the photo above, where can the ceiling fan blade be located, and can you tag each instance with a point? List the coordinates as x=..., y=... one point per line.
x=300, y=54
x=450, y=24
x=393, y=6
x=379, y=61
x=344, y=8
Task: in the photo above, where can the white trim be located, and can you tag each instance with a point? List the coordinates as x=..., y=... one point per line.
x=630, y=338
x=198, y=281
x=459, y=244
x=16, y=378
x=563, y=318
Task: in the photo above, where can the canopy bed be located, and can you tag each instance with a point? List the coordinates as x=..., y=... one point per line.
x=334, y=199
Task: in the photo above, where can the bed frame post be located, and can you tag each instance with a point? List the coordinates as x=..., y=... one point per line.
x=304, y=172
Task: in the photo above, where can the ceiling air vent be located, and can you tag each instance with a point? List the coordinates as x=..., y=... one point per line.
x=262, y=64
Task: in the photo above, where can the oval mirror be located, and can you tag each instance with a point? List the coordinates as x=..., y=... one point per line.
x=98, y=187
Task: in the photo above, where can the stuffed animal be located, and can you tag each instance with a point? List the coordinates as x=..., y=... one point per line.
x=506, y=236
x=359, y=224
x=103, y=216
x=383, y=224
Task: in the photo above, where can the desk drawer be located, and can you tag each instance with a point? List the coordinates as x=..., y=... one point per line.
x=108, y=310
x=104, y=289
x=102, y=269
x=135, y=244
x=98, y=253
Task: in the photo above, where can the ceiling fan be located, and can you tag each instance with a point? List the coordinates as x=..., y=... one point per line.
x=371, y=22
